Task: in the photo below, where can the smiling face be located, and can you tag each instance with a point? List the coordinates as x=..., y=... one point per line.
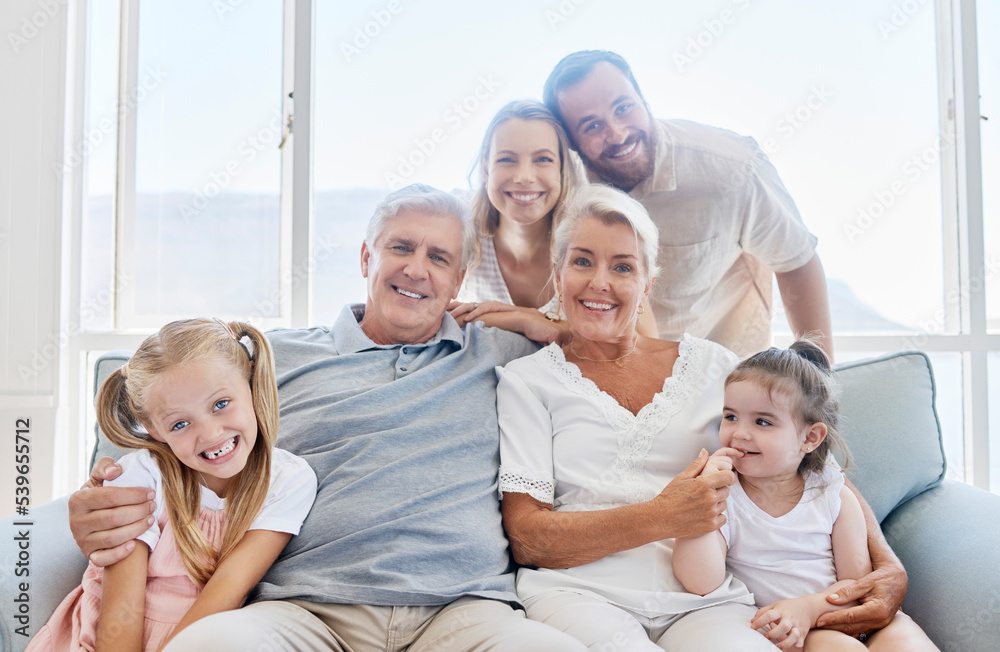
x=608, y=123
x=602, y=281
x=523, y=170
x=765, y=429
x=414, y=270
x=203, y=411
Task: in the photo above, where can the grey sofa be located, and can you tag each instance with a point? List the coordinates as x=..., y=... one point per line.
x=947, y=534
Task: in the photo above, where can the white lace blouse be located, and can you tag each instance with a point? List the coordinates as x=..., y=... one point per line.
x=565, y=442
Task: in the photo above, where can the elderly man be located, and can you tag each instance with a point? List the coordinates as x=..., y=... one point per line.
x=394, y=407
x=725, y=219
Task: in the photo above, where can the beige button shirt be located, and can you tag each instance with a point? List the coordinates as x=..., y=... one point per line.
x=726, y=223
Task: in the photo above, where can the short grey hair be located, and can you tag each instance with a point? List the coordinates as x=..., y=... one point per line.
x=421, y=198
x=612, y=206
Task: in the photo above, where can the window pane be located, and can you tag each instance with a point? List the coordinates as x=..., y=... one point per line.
x=988, y=17
x=994, y=403
x=949, y=403
x=405, y=96
x=207, y=159
x=98, y=148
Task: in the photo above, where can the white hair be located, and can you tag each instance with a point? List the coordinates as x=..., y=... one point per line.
x=421, y=198
x=613, y=207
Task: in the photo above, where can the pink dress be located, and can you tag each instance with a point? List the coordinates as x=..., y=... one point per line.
x=170, y=592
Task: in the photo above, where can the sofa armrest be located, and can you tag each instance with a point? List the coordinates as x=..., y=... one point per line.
x=947, y=539
x=51, y=566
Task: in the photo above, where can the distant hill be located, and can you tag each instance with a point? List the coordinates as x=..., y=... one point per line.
x=191, y=273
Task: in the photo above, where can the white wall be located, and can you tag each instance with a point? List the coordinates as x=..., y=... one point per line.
x=32, y=99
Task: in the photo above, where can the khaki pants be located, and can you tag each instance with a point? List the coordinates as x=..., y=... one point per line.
x=296, y=625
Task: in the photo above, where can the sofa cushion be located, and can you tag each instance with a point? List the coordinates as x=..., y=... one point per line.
x=888, y=419
x=106, y=364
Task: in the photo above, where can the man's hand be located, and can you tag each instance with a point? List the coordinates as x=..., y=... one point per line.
x=880, y=593
x=106, y=520
x=693, y=502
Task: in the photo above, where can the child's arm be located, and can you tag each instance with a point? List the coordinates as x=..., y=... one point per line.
x=236, y=575
x=791, y=620
x=123, y=603
x=700, y=563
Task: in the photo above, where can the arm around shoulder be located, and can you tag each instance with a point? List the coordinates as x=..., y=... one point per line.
x=803, y=292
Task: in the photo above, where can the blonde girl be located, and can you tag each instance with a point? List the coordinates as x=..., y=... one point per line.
x=198, y=402
x=795, y=532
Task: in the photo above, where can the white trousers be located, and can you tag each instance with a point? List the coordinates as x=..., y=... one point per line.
x=605, y=627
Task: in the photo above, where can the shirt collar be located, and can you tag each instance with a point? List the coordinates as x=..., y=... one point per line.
x=351, y=339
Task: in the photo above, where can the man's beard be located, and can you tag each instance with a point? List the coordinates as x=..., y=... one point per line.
x=628, y=175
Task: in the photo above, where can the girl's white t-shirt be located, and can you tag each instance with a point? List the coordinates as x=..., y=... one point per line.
x=788, y=556
x=289, y=498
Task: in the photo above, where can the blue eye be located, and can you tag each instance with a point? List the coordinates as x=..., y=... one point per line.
x=763, y=422
x=179, y=425
x=546, y=159
x=221, y=403
x=624, y=268
x=581, y=262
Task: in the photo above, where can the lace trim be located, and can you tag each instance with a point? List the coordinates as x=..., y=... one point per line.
x=636, y=432
x=517, y=483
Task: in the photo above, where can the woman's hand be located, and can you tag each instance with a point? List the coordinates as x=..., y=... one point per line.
x=694, y=501
x=106, y=520
x=526, y=321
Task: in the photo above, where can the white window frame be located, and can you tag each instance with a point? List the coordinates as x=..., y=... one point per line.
x=962, y=215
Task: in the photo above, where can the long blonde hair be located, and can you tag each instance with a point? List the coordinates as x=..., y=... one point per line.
x=485, y=214
x=121, y=413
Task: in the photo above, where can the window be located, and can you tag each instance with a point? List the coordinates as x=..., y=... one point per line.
x=860, y=106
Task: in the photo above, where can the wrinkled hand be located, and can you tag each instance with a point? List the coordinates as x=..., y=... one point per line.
x=105, y=520
x=527, y=321
x=789, y=621
x=471, y=311
x=880, y=594
x=693, y=502
x=722, y=460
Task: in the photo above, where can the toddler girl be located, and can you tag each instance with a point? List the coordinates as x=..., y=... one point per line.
x=794, y=532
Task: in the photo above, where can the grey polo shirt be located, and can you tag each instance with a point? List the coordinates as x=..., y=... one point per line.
x=404, y=442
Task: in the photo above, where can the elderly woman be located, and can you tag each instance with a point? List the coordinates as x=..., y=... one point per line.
x=597, y=442
x=590, y=435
